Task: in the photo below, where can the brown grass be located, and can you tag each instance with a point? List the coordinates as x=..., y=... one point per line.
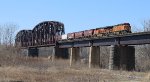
x=44, y=70
x=14, y=68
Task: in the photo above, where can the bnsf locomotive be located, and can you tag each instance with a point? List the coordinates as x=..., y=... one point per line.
x=49, y=32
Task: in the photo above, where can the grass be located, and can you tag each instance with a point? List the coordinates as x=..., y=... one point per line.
x=14, y=68
x=44, y=70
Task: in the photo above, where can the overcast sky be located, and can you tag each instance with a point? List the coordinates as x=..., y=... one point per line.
x=77, y=15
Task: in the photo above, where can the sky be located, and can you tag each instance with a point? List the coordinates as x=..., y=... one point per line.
x=77, y=15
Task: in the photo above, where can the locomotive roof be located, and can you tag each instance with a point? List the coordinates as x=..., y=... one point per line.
x=113, y=25
x=105, y=27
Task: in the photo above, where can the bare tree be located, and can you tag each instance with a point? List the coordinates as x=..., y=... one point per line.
x=7, y=51
x=143, y=52
x=146, y=47
x=8, y=33
x=146, y=25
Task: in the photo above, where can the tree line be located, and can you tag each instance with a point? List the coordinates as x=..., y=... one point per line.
x=7, y=34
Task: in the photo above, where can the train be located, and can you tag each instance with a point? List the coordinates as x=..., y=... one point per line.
x=50, y=32
x=106, y=31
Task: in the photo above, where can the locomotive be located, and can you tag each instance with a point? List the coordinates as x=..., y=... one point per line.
x=50, y=32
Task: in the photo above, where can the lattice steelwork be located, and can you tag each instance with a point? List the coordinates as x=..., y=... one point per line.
x=42, y=34
x=23, y=38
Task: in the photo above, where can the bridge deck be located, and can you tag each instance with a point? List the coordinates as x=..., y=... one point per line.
x=127, y=39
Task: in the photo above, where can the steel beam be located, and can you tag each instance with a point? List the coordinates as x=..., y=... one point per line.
x=65, y=45
x=83, y=43
x=106, y=41
x=135, y=39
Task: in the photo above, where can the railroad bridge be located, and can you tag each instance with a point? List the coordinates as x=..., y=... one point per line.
x=42, y=40
x=121, y=49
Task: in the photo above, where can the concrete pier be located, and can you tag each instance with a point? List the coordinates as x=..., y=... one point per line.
x=74, y=55
x=61, y=53
x=46, y=51
x=111, y=57
x=33, y=52
x=104, y=57
x=122, y=57
x=127, y=58
x=107, y=57
x=94, y=56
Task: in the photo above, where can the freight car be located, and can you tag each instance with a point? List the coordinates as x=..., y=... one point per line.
x=88, y=33
x=70, y=36
x=79, y=34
